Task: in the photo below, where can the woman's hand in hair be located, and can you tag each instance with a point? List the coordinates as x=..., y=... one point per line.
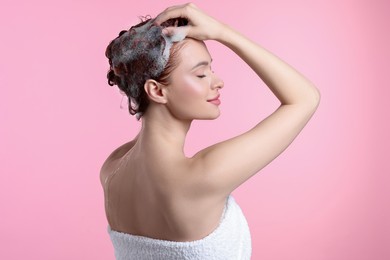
x=200, y=25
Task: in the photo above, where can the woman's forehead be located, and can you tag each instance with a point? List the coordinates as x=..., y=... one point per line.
x=193, y=52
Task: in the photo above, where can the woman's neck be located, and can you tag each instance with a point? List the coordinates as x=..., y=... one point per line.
x=163, y=132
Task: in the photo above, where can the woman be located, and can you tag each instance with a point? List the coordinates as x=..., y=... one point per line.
x=159, y=203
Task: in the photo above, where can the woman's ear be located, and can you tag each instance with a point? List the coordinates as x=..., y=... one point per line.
x=155, y=91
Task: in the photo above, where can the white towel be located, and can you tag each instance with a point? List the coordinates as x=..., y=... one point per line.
x=231, y=240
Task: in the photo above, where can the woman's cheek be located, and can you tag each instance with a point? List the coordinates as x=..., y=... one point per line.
x=192, y=87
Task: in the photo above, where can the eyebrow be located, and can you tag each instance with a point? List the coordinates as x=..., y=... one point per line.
x=202, y=63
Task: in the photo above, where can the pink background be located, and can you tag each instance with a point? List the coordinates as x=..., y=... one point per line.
x=326, y=197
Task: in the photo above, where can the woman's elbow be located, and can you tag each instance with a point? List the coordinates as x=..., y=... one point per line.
x=314, y=97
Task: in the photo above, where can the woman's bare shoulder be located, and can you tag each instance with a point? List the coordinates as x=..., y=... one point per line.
x=110, y=163
x=120, y=151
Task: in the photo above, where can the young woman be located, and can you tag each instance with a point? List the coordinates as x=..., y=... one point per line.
x=159, y=203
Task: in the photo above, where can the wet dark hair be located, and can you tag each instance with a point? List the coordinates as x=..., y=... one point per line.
x=132, y=71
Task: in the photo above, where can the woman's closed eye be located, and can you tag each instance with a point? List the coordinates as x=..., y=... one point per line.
x=205, y=74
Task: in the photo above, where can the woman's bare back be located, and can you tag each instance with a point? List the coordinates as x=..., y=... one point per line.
x=154, y=204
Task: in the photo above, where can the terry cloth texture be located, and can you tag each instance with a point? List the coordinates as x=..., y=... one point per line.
x=231, y=240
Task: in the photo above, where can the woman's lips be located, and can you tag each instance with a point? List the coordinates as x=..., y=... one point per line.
x=215, y=100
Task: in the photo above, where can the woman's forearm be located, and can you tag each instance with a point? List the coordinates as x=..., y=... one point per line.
x=288, y=85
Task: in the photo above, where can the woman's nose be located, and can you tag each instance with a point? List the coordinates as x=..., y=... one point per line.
x=217, y=82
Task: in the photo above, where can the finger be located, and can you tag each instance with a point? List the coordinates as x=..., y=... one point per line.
x=172, y=12
x=176, y=33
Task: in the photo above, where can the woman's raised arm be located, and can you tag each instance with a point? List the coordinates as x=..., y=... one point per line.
x=224, y=166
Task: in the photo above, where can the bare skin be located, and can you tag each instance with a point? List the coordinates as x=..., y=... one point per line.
x=153, y=188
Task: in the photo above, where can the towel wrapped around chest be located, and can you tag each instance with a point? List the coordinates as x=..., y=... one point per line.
x=231, y=240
